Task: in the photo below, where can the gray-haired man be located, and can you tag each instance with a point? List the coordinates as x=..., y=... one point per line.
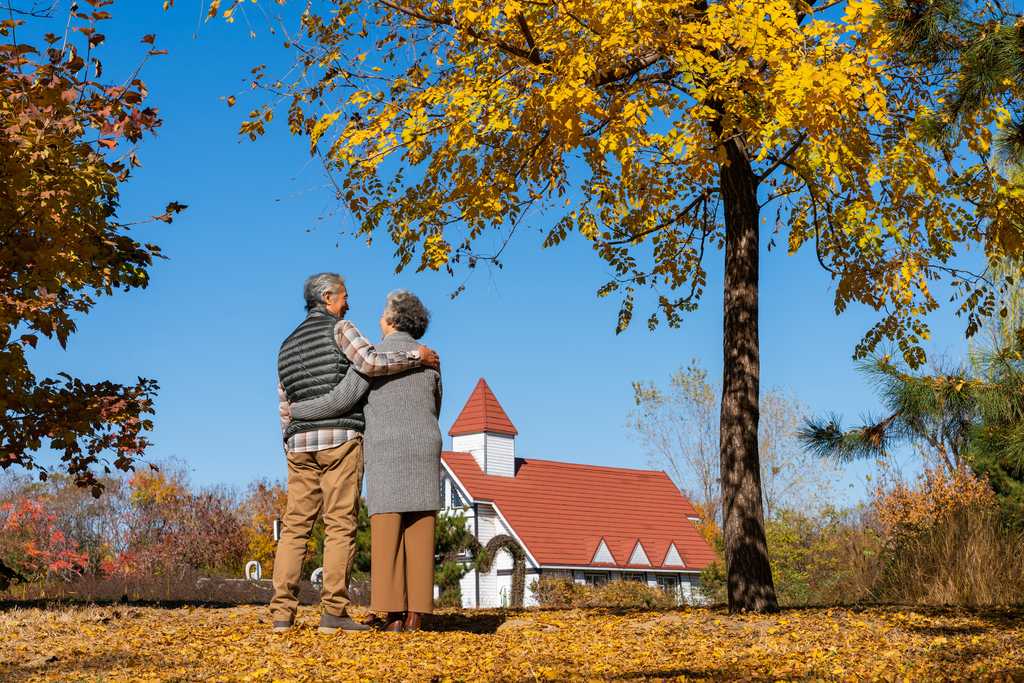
x=325, y=457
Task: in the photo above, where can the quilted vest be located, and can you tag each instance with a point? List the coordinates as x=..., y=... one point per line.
x=309, y=365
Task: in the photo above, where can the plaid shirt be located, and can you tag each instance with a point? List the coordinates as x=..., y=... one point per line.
x=366, y=360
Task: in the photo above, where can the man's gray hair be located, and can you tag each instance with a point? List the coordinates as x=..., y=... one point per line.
x=407, y=313
x=315, y=286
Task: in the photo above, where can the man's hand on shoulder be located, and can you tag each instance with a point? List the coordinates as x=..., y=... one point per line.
x=429, y=358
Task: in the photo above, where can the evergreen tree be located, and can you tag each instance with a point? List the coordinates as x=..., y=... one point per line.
x=983, y=43
x=966, y=420
x=451, y=538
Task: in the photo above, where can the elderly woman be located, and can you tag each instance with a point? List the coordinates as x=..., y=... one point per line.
x=402, y=454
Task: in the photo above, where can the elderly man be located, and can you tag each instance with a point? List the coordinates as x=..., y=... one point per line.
x=325, y=457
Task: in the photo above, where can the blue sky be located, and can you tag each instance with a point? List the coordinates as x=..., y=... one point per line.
x=209, y=327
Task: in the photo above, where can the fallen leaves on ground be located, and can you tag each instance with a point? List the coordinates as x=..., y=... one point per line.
x=126, y=643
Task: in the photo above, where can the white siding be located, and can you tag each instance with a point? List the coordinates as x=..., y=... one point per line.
x=529, y=599
x=672, y=559
x=489, y=589
x=486, y=531
x=486, y=521
x=501, y=455
x=494, y=453
x=492, y=586
x=472, y=444
x=688, y=585
x=639, y=556
x=468, y=586
x=603, y=555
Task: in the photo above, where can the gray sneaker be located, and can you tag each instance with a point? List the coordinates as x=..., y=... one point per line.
x=330, y=623
x=282, y=626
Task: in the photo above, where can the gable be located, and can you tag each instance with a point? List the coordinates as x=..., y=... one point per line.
x=638, y=556
x=603, y=555
x=672, y=559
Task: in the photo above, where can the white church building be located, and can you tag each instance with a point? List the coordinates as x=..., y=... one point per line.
x=593, y=524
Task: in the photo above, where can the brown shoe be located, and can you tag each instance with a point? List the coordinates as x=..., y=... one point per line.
x=395, y=622
x=374, y=621
x=412, y=622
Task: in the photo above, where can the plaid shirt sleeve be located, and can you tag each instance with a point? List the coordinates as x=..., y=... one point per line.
x=283, y=408
x=368, y=360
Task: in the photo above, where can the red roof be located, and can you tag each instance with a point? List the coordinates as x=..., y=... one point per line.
x=561, y=512
x=482, y=413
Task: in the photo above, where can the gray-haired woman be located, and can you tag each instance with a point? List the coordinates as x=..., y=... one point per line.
x=402, y=454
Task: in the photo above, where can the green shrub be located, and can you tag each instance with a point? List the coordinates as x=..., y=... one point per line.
x=451, y=537
x=713, y=584
x=828, y=557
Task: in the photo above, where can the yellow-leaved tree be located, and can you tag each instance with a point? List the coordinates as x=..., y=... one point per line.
x=658, y=131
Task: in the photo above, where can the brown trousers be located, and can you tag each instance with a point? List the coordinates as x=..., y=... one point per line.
x=332, y=480
x=402, y=562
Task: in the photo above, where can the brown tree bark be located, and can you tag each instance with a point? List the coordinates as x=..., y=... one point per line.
x=750, y=585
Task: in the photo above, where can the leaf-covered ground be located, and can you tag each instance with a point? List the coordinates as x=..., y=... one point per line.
x=126, y=643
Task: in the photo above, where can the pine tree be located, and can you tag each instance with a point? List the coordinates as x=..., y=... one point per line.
x=983, y=43
x=966, y=420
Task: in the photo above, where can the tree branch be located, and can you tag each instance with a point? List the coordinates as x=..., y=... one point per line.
x=784, y=158
x=632, y=68
x=525, y=28
x=675, y=218
x=37, y=13
x=531, y=55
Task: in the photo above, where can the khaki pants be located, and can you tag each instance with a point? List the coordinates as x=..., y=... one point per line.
x=402, y=562
x=331, y=479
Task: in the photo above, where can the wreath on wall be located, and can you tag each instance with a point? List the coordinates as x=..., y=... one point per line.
x=486, y=555
x=512, y=547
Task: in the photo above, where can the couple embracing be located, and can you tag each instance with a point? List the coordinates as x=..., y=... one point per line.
x=342, y=397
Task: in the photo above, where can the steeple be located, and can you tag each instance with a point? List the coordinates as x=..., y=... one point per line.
x=484, y=430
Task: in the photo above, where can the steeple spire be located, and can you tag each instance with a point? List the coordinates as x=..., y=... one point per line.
x=482, y=413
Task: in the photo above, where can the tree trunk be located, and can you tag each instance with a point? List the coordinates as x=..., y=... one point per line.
x=750, y=584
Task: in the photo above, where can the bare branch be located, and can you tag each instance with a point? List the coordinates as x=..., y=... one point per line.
x=37, y=13
x=674, y=219
x=784, y=158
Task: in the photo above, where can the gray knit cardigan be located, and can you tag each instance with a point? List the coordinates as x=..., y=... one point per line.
x=402, y=442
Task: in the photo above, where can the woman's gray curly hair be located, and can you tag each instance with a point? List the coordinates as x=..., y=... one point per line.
x=407, y=313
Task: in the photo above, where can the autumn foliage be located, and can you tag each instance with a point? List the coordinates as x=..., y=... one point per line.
x=265, y=502
x=131, y=644
x=171, y=527
x=67, y=145
x=32, y=545
x=909, y=508
x=945, y=541
x=152, y=524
